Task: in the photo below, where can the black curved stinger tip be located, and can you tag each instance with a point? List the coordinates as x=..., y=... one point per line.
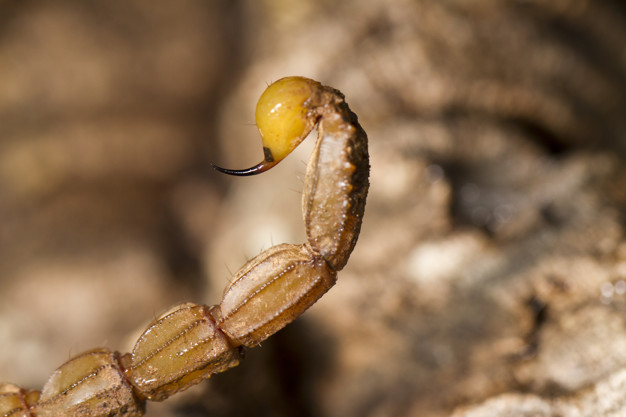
x=257, y=169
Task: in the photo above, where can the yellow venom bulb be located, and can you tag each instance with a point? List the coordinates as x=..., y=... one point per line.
x=284, y=116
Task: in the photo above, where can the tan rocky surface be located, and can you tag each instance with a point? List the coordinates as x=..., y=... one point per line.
x=490, y=276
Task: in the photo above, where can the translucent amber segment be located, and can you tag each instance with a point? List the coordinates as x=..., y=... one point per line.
x=336, y=183
x=91, y=384
x=283, y=115
x=270, y=291
x=178, y=350
x=15, y=401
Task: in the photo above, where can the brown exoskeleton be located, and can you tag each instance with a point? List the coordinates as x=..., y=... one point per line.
x=191, y=342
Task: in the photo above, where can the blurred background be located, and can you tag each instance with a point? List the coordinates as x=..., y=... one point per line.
x=490, y=277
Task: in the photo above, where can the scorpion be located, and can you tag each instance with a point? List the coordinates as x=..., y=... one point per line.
x=190, y=342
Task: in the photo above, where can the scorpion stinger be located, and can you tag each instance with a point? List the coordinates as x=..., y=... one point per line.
x=257, y=169
x=191, y=342
x=285, y=114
